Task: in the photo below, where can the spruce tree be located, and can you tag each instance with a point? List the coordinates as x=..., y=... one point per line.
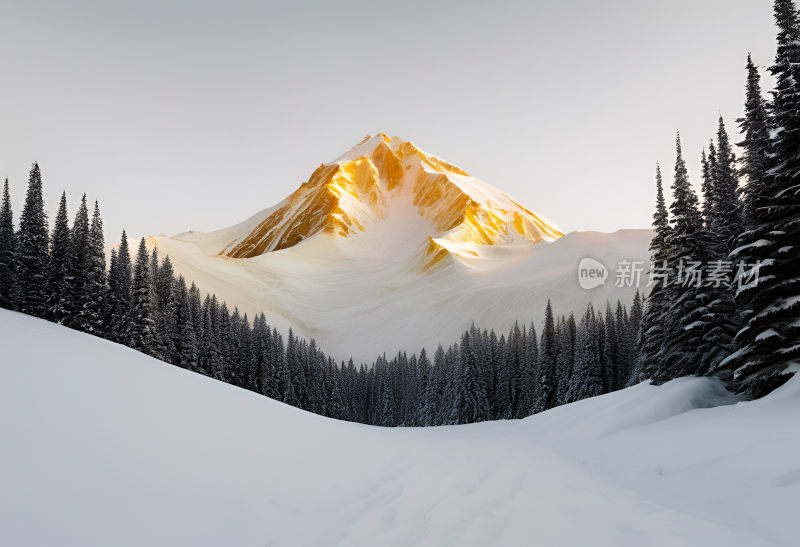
x=183, y=335
x=472, y=402
x=94, y=303
x=78, y=267
x=770, y=304
x=727, y=225
x=142, y=324
x=755, y=160
x=120, y=294
x=685, y=316
x=59, y=307
x=32, y=250
x=587, y=378
x=545, y=397
x=164, y=304
x=651, y=335
x=8, y=250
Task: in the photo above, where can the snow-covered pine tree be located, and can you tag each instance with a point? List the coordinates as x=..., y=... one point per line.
x=769, y=340
x=472, y=402
x=610, y=350
x=586, y=380
x=634, y=334
x=530, y=378
x=565, y=360
x=32, y=250
x=651, y=335
x=142, y=324
x=183, y=335
x=8, y=248
x=164, y=292
x=59, y=305
x=120, y=294
x=95, y=276
x=685, y=317
x=727, y=225
x=78, y=267
x=755, y=160
x=707, y=184
x=621, y=325
x=545, y=397
x=109, y=300
x=432, y=396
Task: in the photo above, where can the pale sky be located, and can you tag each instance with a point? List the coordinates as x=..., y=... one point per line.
x=179, y=114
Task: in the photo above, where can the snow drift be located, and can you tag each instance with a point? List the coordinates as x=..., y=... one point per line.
x=105, y=446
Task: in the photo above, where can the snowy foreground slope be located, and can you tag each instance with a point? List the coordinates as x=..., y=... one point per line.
x=104, y=446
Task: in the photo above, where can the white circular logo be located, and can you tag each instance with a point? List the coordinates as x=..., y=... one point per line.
x=591, y=273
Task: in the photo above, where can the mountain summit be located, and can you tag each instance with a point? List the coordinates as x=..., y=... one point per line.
x=388, y=248
x=436, y=205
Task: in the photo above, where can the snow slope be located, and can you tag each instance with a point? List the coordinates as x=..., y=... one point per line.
x=105, y=446
x=388, y=248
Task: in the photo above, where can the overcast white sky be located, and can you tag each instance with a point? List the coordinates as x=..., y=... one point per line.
x=179, y=114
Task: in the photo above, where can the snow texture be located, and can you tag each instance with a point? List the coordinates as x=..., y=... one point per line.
x=105, y=446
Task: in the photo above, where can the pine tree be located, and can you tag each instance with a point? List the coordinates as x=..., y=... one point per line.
x=32, y=250
x=726, y=210
x=755, y=160
x=472, y=402
x=545, y=397
x=651, y=335
x=770, y=305
x=164, y=304
x=8, y=250
x=120, y=294
x=634, y=335
x=142, y=324
x=587, y=380
x=95, y=276
x=78, y=266
x=685, y=318
x=565, y=360
x=183, y=335
x=59, y=306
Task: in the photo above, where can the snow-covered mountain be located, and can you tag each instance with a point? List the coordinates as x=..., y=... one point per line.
x=106, y=446
x=388, y=247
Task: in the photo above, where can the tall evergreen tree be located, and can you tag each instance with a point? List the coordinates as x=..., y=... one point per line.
x=78, y=266
x=548, y=382
x=142, y=324
x=587, y=378
x=8, y=248
x=770, y=304
x=59, y=307
x=651, y=336
x=755, y=160
x=472, y=402
x=32, y=250
x=183, y=335
x=94, y=302
x=685, y=317
x=120, y=294
x=725, y=208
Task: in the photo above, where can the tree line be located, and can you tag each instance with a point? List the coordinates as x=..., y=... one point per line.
x=61, y=276
x=748, y=334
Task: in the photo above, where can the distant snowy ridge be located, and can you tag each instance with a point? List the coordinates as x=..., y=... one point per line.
x=105, y=446
x=389, y=248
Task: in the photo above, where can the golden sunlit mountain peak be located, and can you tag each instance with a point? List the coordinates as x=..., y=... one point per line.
x=384, y=181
